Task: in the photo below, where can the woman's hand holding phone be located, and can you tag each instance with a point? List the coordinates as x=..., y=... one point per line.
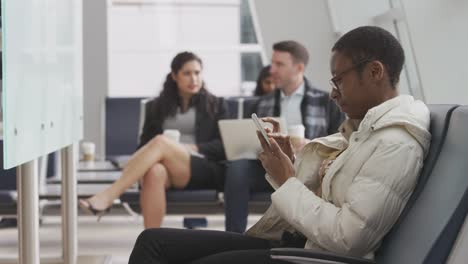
x=284, y=141
x=261, y=129
x=276, y=163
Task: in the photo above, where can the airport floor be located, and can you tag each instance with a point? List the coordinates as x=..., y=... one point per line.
x=114, y=235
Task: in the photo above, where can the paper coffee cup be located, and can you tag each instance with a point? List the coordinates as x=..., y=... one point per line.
x=297, y=131
x=173, y=134
x=296, y=134
x=89, y=150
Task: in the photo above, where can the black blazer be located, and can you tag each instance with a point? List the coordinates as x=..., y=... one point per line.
x=207, y=134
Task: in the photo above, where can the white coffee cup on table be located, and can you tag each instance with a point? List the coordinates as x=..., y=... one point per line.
x=89, y=151
x=173, y=134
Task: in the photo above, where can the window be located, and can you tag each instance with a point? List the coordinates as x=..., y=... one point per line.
x=144, y=36
x=251, y=61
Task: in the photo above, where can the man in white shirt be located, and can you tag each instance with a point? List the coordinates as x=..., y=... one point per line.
x=291, y=106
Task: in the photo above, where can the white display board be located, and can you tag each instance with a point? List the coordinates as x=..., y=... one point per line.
x=42, y=77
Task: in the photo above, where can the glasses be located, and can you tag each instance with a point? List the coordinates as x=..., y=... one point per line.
x=334, y=81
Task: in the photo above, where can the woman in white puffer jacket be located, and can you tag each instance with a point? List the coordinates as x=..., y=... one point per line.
x=363, y=190
x=346, y=190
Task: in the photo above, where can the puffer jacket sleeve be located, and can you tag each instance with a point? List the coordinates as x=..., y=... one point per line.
x=372, y=204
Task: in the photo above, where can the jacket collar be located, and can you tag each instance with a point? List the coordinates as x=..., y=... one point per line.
x=404, y=111
x=374, y=114
x=375, y=119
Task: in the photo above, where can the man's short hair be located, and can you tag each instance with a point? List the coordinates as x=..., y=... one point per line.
x=373, y=43
x=298, y=52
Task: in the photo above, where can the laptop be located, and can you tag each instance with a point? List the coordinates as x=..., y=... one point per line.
x=240, y=138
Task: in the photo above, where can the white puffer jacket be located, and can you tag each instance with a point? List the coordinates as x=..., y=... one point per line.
x=364, y=190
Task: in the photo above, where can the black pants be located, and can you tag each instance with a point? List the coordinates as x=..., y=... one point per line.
x=175, y=246
x=243, y=177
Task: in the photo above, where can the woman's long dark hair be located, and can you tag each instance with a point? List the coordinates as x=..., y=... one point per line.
x=264, y=73
x=169, y=99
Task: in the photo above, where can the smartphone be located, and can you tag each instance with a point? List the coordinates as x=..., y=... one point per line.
x=260, y=128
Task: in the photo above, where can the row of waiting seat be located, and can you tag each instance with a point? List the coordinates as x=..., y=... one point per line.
x=430, y=223
x=122, y=122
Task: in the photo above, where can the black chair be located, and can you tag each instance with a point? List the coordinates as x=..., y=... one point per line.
x=248, y=105
x=233, y=107
x=429, y=225
x=122, y=119
x=7, y=188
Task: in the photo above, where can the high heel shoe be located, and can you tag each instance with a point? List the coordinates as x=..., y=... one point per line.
x=86, y=206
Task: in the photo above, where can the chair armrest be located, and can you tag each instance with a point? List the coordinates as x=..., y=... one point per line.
x=308, y=256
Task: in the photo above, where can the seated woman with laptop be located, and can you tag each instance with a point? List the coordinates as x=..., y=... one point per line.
x=184, y=106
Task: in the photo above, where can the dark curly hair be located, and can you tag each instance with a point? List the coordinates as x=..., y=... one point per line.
x=264, y=73
x=169, y=99
x=373, y=43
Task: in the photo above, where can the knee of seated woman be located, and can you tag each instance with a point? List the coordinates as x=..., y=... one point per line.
x=158, y=140
x=157, y=174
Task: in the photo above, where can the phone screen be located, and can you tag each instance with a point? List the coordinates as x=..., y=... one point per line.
x=260, y=128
